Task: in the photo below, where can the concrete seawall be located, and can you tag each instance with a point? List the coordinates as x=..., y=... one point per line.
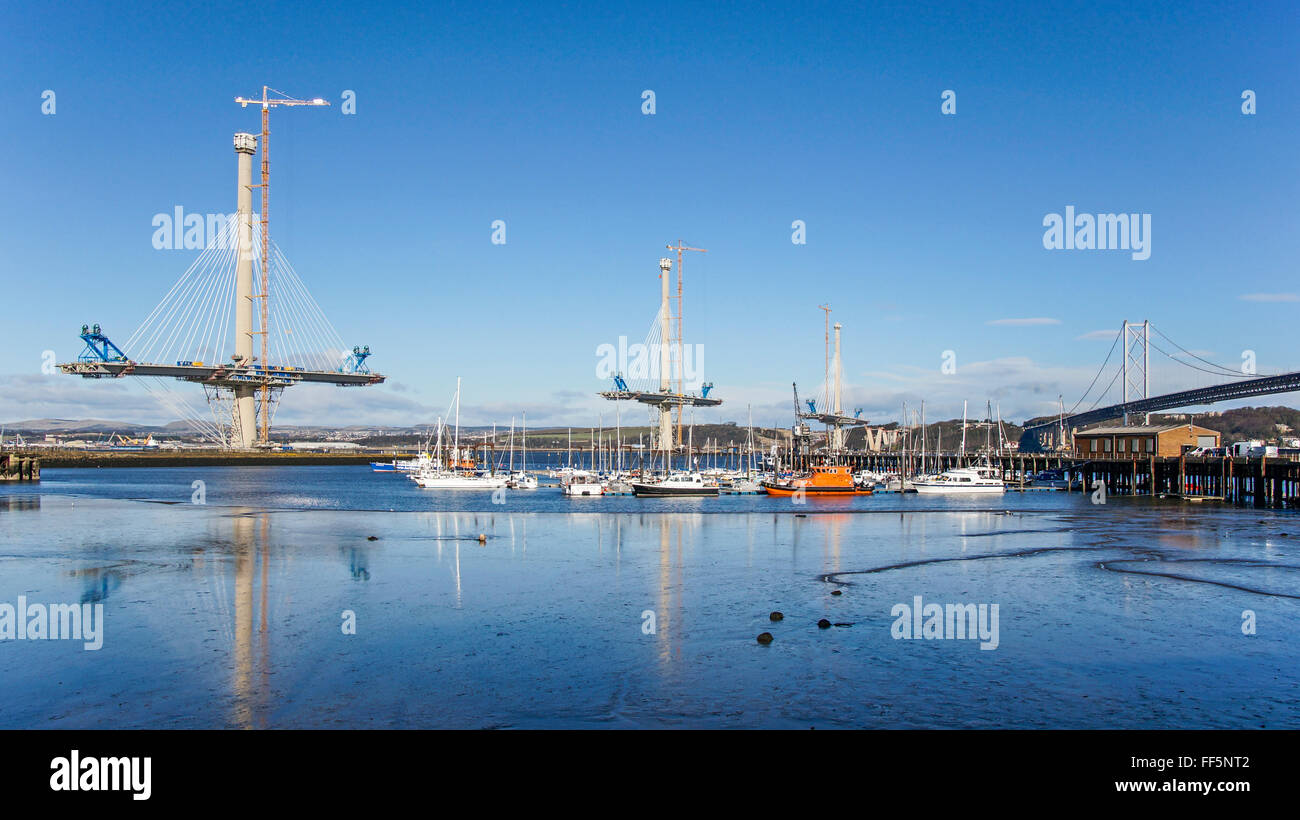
x=64, y=458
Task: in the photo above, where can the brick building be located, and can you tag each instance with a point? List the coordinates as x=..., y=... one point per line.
x=1142, y=440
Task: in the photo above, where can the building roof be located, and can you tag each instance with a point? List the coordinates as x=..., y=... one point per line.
x=1138, y=429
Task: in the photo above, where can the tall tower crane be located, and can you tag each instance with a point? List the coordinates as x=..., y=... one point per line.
x=679, y=247
x=266, y=102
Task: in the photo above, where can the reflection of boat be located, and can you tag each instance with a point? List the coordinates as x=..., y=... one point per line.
x=961, y=481
x=822, y=479
x=677, y=484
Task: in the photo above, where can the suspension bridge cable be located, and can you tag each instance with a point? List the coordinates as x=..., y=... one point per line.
x=1202, y=369
x=1227, y=370
x=1100, y=370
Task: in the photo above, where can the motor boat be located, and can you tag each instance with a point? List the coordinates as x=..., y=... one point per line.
x=580, y=482
x=676, y=484
x=961, y=481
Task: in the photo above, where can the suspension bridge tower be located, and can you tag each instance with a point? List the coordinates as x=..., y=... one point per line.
x=1136, y=342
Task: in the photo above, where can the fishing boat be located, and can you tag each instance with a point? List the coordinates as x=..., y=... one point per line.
x=982, y=478
x=676, y=484
x=820, y=480
x=383, y=467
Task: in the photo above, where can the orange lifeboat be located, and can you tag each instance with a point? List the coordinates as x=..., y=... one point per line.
x=823, y=479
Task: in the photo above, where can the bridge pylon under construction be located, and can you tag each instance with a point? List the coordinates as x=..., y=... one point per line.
x=670, y=360
x=212, y=305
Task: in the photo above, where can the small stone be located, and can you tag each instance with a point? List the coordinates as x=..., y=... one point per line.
x=765, y=638
x=775, y=616
x=837, y=592
x=823, y=624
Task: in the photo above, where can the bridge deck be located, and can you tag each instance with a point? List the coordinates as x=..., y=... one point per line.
x=220, y=375
x=1260, y=386
x=673, y=399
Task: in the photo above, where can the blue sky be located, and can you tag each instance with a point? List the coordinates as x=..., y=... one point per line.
x=922, y=229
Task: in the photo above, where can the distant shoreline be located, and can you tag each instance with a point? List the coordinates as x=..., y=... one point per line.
x=50, y=459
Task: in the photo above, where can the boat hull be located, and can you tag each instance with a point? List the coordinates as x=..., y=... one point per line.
x=460, y=483
x=786, y=490
x=658, y=491
x=934, y=489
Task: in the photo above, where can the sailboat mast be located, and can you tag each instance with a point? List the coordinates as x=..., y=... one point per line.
x=963, y=428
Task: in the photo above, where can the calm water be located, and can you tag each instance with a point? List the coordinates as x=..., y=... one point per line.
x=1126, y=615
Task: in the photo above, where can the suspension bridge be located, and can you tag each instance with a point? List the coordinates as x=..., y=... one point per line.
x=1132, y=373
x=211, y=306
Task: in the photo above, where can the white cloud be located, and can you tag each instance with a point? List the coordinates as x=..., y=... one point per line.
x=1106, y=335
x=1269, y=297
x=1030, y=322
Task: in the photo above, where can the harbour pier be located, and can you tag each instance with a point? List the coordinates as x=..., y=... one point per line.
x=18, y=467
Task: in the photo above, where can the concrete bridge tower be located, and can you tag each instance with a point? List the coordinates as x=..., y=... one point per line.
x=244, y=431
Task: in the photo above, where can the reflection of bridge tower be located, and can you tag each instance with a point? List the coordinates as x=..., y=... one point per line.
x=250, y=541
x=1136, y=343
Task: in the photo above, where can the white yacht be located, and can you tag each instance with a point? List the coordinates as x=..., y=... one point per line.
x=439, y=480
x=582, y=483
x=451, y=473
x=961, y=480
x=520, y=480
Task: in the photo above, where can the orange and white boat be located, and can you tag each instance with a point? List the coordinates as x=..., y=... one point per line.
x=822, y=479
